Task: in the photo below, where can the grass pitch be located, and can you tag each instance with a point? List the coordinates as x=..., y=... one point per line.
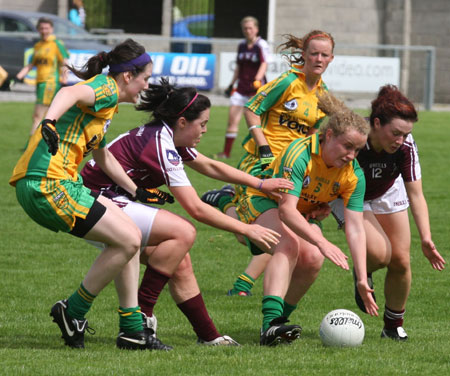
x=38, y=267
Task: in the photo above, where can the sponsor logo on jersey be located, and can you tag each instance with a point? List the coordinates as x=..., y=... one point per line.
x=61, y=200
x=293, y=123
x=287, y=173
x=291, y=105
x=107, y=90
x=306, y=181
x=173, y=157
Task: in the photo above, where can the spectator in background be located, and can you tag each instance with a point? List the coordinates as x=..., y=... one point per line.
x=50, y=59
x=77, y=14
x=251, y=66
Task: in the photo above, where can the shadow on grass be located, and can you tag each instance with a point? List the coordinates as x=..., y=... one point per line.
x=49, y=342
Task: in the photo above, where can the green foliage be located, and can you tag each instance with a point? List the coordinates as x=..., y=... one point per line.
x=98, y=13
x=39, y=267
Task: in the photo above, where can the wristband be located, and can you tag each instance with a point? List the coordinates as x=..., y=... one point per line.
x=260, y=184
x=265, y=152
x=266, y=161
x=253, y=127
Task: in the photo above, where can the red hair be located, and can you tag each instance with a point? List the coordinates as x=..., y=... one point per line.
x=296, y=45
x=391, y=103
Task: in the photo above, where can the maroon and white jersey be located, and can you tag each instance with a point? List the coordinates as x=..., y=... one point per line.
x=249, y=60
x=149, y=157
x=381, y=169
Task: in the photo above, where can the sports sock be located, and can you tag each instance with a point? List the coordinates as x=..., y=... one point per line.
x=243, y=283
x=392, y=319
x=79, y=303
x=195, y=311
x=272, y=307
x=130, y=319
x=229, y=140
x=288, y=309
x=151, y=286
x=224, y=202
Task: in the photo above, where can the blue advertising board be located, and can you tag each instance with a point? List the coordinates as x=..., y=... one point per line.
x=181, y=69
x=184, y=69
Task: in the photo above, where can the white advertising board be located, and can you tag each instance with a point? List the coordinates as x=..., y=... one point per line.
x=344, y=74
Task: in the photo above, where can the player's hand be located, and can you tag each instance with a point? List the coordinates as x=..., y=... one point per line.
x=432, y=254
x=265, y=156
x=50, y=135
x=333, y=253
x=153, y=196
x=366, y=294
x=228, y=91
x=272, y=186
x=263, y=237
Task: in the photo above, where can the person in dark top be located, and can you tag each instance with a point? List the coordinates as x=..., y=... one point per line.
x=251, y=65
x=391, y=167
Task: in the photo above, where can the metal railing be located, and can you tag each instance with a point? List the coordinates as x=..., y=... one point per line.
x=162, y=44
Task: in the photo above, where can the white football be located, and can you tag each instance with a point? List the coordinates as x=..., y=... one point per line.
x=342, y=327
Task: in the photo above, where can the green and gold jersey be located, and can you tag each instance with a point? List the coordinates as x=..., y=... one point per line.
x=287, y=108
x=81, y=129
x=315, y=183
x=48, y=57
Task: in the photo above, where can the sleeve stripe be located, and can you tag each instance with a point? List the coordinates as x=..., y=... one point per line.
x=161, y=157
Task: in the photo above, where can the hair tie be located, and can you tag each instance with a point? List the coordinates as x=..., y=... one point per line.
x=131, y=65
x=316, y=36
x=189, y=104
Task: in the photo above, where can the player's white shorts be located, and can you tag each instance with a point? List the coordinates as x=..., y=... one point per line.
x=394, y=200
x=237, y=99
x=142, y=215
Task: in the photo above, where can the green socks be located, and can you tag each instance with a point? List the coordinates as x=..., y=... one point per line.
x=224, y=203
x=288, y=309
x=130, y=319
x=272, y=307
x=79, y=303
x=243, y=283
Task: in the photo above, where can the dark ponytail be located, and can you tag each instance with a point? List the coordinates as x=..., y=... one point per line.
x=168, y=103
x=123, y=52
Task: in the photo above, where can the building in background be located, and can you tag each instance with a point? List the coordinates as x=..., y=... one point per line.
x=353, y=22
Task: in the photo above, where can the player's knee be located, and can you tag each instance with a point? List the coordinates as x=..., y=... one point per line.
x=311, y=261
x=184, y=268
x=379, y=256
x=184, y=233
x=290, y=248
x=190, y=234
x=400, y=264
x=132, y=243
